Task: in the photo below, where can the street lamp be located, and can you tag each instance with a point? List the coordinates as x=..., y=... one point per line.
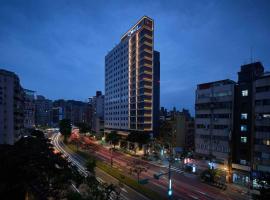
x=169, y=174
x=170, y=188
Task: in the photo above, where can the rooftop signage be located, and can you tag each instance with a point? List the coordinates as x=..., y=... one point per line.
x=134, y=30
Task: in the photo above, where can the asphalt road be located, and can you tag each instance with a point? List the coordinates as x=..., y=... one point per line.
x=185, y=186
x=127, y=193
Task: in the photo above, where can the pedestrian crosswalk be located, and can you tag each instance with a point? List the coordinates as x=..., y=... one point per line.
x=176, y=169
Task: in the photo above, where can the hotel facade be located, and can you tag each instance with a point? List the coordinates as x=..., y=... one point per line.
x=129, y=81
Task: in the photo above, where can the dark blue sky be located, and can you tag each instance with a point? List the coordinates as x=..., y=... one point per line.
x=58, y=47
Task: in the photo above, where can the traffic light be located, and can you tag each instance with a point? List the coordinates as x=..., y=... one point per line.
x=170, y=192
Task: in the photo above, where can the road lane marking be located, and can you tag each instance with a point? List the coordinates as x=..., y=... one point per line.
x=193, y=197
x=81, y=168
x=123, y=189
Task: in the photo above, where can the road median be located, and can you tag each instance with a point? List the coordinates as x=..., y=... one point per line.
x=118, y=175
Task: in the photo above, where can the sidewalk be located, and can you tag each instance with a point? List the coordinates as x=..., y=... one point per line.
x=200, y=167
x=237, y=188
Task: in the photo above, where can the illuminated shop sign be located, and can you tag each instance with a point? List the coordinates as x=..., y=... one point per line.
x=133, y=30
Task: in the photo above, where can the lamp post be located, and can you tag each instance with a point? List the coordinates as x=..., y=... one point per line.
x=169, y=174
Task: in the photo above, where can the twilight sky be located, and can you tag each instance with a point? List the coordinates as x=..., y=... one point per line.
x=58, y=47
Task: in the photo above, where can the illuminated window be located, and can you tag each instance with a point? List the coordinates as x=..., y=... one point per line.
x=244, y=93
x=266, y=116
x=244, y=139
x=266, y=142
x=244, y=115
x=243, y=162
x=243, y=128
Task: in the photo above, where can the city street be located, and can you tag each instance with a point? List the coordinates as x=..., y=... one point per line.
x=127, y=193
x=185, y=186
x=135, y=100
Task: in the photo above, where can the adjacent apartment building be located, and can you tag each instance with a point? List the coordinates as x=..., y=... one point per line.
x=97, y=103
x=29, y=108
x=232, y=123
x=261, y=161
x=251, y=128
x=184, y=130
x=11, y=108
x=129, y=81
x=214, y=120
x=43, y=111
x=177, y=128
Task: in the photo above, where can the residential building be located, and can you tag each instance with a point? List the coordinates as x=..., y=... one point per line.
x=162, y=114
x=88, y=113
x=177, y=128
x=75, y=111
x=29, y=108
x=185, y=131
x=245, y=133
x=232, y=123
x=57, y=115
x=43, y=111
x=167, y=132
x=261, y=160
x=214, y=121
x=98, y=112
x=11, y=108
x=129, y=80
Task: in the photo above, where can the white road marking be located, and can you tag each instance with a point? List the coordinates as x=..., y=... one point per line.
x=124, y=190
x=193, y=197
x=55, y=140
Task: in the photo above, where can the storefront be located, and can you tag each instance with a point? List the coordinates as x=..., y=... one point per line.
x=240, y=178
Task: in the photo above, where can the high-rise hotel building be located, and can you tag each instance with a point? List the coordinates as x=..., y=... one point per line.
x=129, y=80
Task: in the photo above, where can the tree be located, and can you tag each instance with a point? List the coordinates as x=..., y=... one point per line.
x=137, y=167
x=83, y=127
x=91, y=164
x=139, y=137
x=211, y=175
x=74, y=196
x=166, y=131
x=65, y=128
x=32, y=169
x=113, y=137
